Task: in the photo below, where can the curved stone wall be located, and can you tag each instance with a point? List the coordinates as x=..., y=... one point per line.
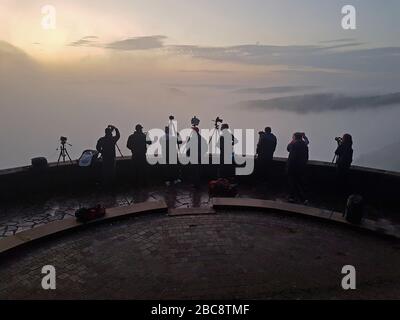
x=380, y=187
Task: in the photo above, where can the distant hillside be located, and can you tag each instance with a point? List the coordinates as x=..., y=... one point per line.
x=387, y=158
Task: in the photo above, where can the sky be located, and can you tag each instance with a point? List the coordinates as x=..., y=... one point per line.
x=191, y=22
x=290, y=60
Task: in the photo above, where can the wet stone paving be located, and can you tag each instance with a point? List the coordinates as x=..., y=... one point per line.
x=18, y=216
x=229, y=255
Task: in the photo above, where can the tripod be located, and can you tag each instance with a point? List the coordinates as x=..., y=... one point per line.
x=215, y=133
x=173, y=130
x=119, y=150
x=63, y=152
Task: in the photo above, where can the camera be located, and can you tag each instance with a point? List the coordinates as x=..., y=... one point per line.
x=339, y=140
x=218, y=120
x=195, y=121
x=171, y=118
x=63, y=140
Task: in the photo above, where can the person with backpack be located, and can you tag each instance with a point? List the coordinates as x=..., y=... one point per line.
x=296, y=166
x=106, y=147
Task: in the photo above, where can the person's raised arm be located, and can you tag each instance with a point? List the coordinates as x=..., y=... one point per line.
x=117, y=134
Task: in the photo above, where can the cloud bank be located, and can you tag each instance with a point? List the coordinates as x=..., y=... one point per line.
x=129, y=44
x=270, y=90
x=339, y=54
x=325, y=102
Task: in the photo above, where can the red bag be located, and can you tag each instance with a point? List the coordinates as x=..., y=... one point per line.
x=89, y=214
x=222, y=188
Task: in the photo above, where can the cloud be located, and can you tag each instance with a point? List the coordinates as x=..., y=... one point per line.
x=90, y=38
x=339, y=40
x=88, y=41
x=385, y=59
x=13, y=57
x=138, y=43
x=325, y=102
x=206, y=71
x=176, y=92
x=340, y=54
x=268, y=90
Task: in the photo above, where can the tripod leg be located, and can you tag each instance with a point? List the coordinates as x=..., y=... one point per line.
x=59, y=157
x=119, y=150
x=66, y=152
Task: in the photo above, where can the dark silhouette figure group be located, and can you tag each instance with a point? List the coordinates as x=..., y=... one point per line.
x=296, y=167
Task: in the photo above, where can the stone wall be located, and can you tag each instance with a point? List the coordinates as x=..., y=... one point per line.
x=381, y=187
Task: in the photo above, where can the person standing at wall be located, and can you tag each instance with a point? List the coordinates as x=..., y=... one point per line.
x=137, y=143
x=106, y=147
x=344, y=158
x=296, y=166
x=266, y=147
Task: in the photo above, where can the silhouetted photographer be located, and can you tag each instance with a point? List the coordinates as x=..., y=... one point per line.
x=106, y=147
x=344, y=158
x=266, y=147
x=296, y=166
x=137, y=143
x=225, y=144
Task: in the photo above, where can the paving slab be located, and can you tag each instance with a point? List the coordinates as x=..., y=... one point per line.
x=190, y=211
x=55, y=227
x=332, y=216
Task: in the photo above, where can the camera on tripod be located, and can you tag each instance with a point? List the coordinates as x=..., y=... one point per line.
x=217, y=121
x=63, y=150
x=195, y=121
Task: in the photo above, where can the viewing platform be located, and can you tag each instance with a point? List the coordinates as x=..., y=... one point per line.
x=175, y=242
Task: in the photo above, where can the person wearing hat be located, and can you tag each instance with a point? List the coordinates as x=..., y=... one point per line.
x=137, y=143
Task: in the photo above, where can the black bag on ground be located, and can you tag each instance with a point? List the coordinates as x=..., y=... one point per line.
x=39, y=163
x=354, y=209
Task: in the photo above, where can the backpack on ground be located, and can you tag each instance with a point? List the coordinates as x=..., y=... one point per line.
x=354, y=209
x=222, y=188
x=89, y=214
